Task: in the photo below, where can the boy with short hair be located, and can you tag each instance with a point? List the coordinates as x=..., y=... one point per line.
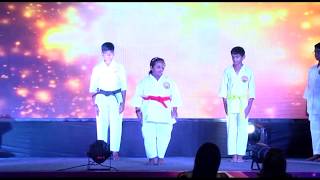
x=238, y=92
x=108, y=85
x=312, y=95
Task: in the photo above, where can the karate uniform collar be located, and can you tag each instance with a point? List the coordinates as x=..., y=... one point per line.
x=154, y=79
x=112, y=64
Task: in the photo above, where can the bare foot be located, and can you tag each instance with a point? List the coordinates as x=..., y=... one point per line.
x=240, y=159
x=160, y=161
x=314, y=157
x=156, y=161
x=234, y=158
x=115, y=156
x=152, y=161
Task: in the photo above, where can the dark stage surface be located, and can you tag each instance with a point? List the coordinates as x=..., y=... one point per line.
x=135, y=167
x=58, y=147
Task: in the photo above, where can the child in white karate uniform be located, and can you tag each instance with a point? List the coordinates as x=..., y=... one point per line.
x=312, y=95
x=238, y=92
x=156, y=101
x=108, y=85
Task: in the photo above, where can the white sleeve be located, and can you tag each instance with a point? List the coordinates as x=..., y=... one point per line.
x=136, y=101
x=176, y=100
x=252, y=86
x=224, y=84
x=93, y=81
x=307, y=88
x=123, y=78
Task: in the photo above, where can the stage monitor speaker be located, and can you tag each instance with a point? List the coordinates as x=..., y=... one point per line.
x=99, y=151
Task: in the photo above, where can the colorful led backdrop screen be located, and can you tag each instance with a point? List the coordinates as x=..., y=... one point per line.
x=48, y=50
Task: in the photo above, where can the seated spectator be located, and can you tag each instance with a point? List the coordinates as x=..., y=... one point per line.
x=274, y=165
x=206, y=163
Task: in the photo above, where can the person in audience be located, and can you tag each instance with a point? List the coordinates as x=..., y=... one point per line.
x=206, y=163
x=274, y=164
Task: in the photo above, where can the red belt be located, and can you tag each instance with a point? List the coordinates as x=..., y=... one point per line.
x=159, y=99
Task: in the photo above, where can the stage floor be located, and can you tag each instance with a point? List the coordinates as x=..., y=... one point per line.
x=129, y=166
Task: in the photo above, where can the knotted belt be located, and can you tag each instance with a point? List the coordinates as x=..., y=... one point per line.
x=107, y=93
x=159, y=99
x=234, y=97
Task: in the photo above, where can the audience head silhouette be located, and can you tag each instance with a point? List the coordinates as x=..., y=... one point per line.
x=274, y=164
x=207, y=161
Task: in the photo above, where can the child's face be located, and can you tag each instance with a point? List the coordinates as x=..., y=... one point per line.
x=107, y=56
x=158, y=69
x=237, y=59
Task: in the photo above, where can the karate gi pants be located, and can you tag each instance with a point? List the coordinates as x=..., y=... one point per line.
x=237, y=132
x=156, y=138
x=315, y=132
x=109, y=116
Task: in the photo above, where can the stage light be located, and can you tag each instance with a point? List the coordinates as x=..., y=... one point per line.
x=259, y=151
x=99, y=151
x=254, y=133
x=251, y=128
x=257, y=144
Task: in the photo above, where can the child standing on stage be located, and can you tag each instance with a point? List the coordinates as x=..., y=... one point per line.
x=312, y=95
x=238, y=92
x=156, y=101
x=108, y=86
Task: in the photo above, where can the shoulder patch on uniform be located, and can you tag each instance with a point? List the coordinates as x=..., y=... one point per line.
x=166, y=85
x=244, y=78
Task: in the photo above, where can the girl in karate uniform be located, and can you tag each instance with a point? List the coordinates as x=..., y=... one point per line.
x=156, y=101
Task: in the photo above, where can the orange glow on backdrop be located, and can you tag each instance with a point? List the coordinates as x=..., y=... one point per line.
x=48, y=50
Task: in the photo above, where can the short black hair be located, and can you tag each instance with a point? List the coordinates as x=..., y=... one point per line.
x=107, y=46
x=238, y=50
x=317, y=46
